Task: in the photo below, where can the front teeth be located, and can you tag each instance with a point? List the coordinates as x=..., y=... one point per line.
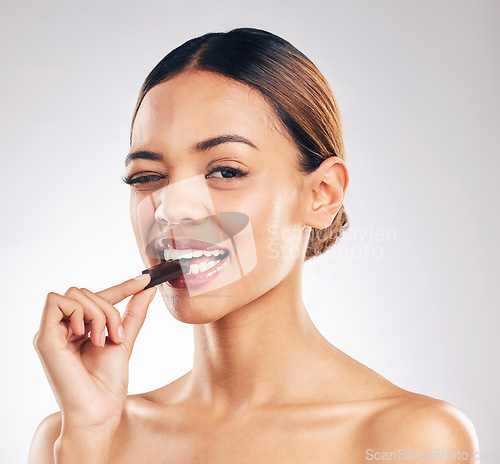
x=172, y=253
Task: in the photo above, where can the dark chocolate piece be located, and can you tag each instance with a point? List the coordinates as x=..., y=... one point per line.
x=167, y=270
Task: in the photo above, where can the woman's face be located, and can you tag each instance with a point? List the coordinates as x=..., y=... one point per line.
x=204, y=144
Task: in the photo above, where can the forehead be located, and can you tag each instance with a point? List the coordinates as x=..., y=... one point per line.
x=195, y=105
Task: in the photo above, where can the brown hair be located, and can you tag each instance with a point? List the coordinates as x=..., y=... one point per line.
x=294, y=87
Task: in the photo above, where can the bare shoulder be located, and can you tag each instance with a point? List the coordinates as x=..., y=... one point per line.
x=137, y=420
x=130, y=434
x=415, y=423
x=42, y=445
x=141, y=416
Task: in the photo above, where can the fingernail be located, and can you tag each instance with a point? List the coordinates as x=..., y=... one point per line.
x=103, y=338
x=121, y=335
x=141, y=277
x=153, y=293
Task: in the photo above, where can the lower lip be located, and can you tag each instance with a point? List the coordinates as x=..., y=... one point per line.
x=198, y=280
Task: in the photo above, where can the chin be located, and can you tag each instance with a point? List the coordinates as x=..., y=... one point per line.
x=200, y=309
x=211, y=306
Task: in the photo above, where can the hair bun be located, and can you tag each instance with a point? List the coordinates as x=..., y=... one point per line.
x=320, y=240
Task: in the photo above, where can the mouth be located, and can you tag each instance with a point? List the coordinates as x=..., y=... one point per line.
x=203, y=258
x=204, y=266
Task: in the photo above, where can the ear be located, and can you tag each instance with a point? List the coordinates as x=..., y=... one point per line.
x=326, y=191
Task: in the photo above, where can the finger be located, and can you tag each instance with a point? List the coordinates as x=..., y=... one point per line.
x=58, y=310
x=76, y=321
x=92, y=314
x=121, y=291
x=113, y=317
x=135, y=314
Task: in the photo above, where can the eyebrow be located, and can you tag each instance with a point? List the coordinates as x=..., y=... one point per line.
x=204, y=145
x=219, y=140
x=143, y=154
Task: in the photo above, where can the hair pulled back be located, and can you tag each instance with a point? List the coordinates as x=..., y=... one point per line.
x=293, y=86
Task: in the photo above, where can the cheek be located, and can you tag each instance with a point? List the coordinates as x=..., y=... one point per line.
x=143, y=222
x=277, y=230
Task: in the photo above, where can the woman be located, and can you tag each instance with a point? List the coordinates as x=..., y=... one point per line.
x=251, y=123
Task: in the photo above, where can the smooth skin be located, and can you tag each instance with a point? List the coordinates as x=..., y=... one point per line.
x=265, y=386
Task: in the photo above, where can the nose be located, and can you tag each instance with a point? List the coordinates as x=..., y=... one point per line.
x=183, y=201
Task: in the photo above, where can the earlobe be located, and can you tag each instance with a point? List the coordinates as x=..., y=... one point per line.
x=327, y=190
x=316, y=205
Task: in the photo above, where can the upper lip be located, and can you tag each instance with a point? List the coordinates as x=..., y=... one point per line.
x=181, y=243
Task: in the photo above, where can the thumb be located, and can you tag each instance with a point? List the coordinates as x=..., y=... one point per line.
x=134, y=316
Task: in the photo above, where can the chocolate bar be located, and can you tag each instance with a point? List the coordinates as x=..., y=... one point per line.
x=167, y=270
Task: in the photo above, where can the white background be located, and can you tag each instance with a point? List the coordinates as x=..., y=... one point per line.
x=411, y=290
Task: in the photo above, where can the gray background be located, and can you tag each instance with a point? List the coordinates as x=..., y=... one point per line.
x=411, y=290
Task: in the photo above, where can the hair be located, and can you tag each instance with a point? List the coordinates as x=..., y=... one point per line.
x=293, y=86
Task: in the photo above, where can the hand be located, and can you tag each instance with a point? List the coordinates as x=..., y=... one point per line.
x=89, y=373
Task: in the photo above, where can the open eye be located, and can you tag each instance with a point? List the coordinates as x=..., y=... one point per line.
x=227, y=172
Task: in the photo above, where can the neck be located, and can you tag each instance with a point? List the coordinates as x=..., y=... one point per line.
x=262, y=353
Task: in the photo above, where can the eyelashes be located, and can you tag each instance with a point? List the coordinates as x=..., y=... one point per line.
x=132, y=180
x=153, y=178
